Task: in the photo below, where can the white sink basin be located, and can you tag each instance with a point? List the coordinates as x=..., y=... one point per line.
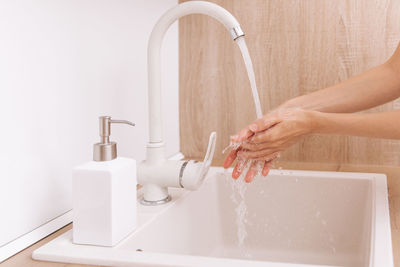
x=294, y=218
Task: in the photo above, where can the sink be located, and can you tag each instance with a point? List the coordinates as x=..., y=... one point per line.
x=290, y=218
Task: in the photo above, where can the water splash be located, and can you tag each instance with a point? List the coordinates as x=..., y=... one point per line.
x=232, y=146
x=238, y=193
x=239, y=188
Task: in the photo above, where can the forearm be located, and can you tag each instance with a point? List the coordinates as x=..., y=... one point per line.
x=376, y=125
x=369, y=89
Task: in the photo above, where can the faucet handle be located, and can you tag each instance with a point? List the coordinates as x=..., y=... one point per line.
x=209, y=155
x=193, y=173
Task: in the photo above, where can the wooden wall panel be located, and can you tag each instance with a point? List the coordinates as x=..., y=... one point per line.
x=297, y=46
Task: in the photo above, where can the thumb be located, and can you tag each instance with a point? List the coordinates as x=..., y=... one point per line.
x=264, y=123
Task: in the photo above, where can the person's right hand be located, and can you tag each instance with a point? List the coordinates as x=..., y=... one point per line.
x=267, y=137
x=243, y=136
x=241, y=164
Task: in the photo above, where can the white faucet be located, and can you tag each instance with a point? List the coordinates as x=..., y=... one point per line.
x=157, y=173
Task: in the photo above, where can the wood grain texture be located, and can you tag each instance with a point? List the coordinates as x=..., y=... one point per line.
x=297, y=47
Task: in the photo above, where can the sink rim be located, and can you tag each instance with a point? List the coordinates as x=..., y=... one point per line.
x=381, y=253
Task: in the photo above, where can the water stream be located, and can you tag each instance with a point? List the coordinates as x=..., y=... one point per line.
x=239, y=186
x=250, y=72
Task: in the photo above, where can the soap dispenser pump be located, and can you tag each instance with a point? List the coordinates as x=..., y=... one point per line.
x=104, y=193
x=106, y=150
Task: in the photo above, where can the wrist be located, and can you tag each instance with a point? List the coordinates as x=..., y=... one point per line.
x=315, y=121
x=291, y=103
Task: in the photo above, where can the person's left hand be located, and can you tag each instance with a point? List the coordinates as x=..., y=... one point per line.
x=264, y=139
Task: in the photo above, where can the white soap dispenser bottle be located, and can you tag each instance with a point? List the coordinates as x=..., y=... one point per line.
x=104, y=193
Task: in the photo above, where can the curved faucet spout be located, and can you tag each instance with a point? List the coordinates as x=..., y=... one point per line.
x=156, y=174
x=154, y=58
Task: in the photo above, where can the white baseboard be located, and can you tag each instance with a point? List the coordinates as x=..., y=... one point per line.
x=35, y=235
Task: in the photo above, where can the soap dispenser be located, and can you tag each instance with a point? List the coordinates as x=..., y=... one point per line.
x=104, y=193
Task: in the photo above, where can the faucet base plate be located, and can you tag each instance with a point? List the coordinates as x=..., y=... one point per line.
x=155, y=202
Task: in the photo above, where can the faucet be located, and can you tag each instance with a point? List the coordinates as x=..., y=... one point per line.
x=156, y=173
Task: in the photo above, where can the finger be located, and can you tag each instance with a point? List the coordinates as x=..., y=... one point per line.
x=244, y=134
x=260, y=154
x=252, y=146
x=230, y=158
x=267, y=166
x=267, y=136
x=264, y=123
x=265, y=170
x=257, y=146
x=252, y=172
x=239, y=168
x=271, y=157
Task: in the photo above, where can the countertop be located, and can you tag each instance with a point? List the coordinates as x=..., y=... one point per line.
x=393, y=174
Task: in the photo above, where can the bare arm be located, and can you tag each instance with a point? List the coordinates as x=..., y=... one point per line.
x=319, y=112
x=376, y=125
x=372, y=88
x=292, y=125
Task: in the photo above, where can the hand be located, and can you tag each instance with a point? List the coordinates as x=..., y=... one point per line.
x=276, y=132
x=264, y=139
x=255, y=166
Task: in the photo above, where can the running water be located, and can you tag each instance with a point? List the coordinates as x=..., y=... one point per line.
x=238, y=198
x=239, y=187
x=250, y=72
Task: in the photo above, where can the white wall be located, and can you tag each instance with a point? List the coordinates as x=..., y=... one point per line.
x=63, y=63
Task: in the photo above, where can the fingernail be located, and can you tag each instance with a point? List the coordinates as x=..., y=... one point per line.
x=234, y=137
x=253, y=127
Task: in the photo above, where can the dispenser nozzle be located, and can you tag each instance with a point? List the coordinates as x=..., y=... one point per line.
x=106, y=150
